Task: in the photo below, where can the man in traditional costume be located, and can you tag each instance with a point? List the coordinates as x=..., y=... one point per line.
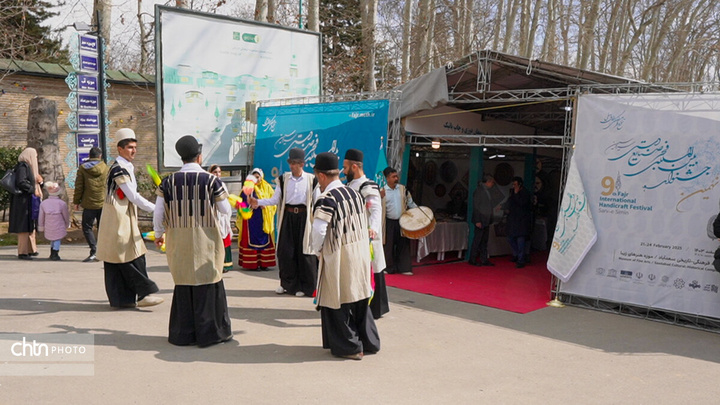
x=396, y=201
x=120, y=245
x=256, y=234
x=340, y=236
x=187, y=208
x=293, y=194
x=370, y=191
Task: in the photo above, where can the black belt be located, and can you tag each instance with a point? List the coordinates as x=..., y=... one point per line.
x=295, y=209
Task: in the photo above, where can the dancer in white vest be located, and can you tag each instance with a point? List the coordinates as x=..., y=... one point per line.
x=370, y=191
x=340, y=236
x=293, y=196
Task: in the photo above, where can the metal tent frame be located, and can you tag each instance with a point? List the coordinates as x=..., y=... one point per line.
x=511, y=88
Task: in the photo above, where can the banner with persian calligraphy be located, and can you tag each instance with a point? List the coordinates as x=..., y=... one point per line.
x=323, y=127
x=575, y=232
x=650, y=165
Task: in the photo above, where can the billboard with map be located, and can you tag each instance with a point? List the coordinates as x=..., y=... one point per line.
x=209, y=66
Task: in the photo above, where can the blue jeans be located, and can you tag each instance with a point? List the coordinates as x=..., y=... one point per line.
x=517, y=243
x=55, y=245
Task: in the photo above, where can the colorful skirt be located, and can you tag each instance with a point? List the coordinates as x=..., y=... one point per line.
x=253, y=258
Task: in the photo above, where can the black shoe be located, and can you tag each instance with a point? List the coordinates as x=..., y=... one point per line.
x=519, y=265
x=33, y=254
x=488, y=263
x=25, y=257
x=208, y=344
x=90, y=258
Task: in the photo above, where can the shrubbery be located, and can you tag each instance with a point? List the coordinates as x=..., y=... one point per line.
x=8, y=160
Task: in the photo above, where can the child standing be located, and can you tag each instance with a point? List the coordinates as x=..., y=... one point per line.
x=54, y=218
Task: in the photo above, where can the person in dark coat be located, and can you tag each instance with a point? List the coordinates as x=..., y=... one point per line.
x=90, y=190
x=486, y=199
x=29, y=182
x=518, y=208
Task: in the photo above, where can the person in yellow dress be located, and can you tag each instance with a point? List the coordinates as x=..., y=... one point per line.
x=256, y=234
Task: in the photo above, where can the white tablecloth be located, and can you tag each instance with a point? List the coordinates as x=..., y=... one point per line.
x=447, y=237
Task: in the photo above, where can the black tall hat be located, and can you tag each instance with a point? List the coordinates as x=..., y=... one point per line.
x=354, y=155
x=327, y=161
x=188, y=147
x=296, y=154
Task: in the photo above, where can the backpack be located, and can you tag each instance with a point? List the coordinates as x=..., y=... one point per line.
x=8, y=182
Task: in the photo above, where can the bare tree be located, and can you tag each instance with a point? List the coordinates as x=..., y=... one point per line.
x=368, y=12
x=313, y=15
x=549, y=47
x=103, y=10
x=406, y=39
x=261, y=10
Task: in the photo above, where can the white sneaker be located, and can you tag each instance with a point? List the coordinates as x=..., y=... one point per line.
x=280, y=290
x=299, y=294
x=407, y=273
x=149, y=301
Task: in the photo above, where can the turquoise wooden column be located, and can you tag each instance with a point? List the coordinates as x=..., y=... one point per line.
x=529, y=175
x=405, y=165
x=476, y=171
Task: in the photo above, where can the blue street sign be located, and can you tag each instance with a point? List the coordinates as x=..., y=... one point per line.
x=88, y=63
x=88, y=140
x=88, y=101
x=89, y=43
x=88, y=121
x=87, y=83
x=83, y=156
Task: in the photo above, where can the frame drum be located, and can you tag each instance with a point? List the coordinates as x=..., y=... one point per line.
x=417, y=223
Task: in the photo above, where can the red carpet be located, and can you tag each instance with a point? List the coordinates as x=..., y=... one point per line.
x=501, y=286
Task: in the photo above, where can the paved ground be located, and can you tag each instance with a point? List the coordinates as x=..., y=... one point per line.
x=433, y=350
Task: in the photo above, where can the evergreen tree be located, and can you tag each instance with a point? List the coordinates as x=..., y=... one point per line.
x=342, y=46
x=23, y=37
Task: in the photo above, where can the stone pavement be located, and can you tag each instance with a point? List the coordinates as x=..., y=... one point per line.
x=433, y=350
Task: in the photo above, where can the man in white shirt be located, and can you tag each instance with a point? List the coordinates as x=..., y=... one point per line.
x=294, y=198
x=120, y=245
x=397, y=200
x=369, y=190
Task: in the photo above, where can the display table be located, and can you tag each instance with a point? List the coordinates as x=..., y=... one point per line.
x=447, y=237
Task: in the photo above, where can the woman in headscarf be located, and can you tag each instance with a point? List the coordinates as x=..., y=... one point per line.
x=224, y=225
x=256, y=234
x=22, y=222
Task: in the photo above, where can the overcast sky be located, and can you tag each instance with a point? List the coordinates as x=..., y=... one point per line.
x=124, y=15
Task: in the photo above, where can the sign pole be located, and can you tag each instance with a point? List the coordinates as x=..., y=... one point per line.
x=101, y=85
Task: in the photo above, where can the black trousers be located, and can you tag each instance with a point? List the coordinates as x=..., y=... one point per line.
x=199, y=315
x=125, y=283
x=89, y=216
x=397, y=248
x=298, y=271
x=379, y=305
x=479, y=250
x=350, y=329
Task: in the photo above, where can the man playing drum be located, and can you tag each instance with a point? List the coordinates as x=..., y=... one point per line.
x=396, y=201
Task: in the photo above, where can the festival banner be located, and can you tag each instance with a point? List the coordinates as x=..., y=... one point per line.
x=209, y=66
x=575, y=232
x=323, y=127
x=650, y=165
